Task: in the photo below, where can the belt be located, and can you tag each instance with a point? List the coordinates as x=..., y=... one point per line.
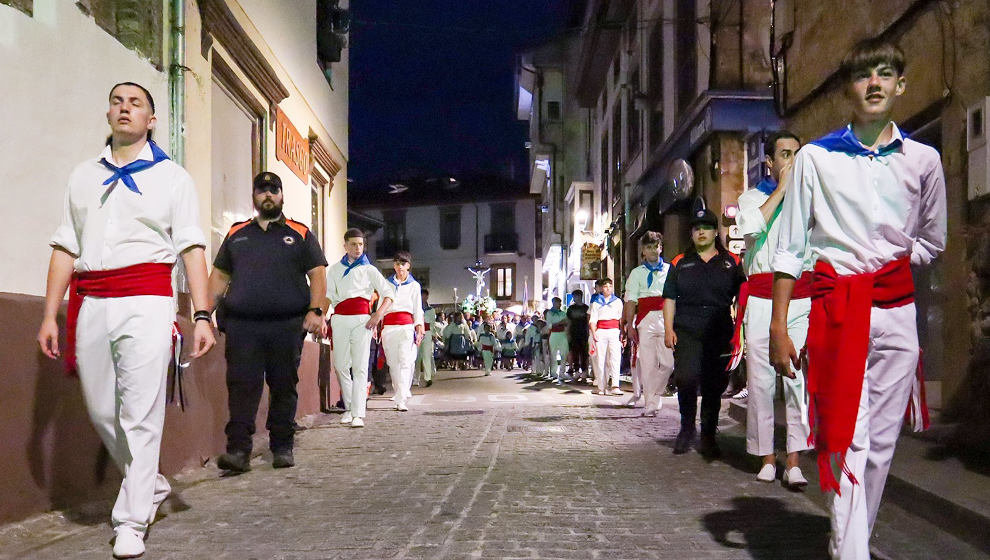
x=558, y=327
x=146, y=279
x=398, y=318
x=647, y=304
x=607, y=324
x=353, y=306
x=487, y=348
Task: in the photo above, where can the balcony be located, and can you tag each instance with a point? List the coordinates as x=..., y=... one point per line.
x=502, y=243
x=387, y=248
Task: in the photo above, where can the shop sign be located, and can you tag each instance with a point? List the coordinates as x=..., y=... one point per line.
x=290, y=147
x=591, y=261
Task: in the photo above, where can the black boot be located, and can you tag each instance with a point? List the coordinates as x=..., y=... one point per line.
x=282, y=459
x=685, y=438
x=708, y=445
x=235, y=461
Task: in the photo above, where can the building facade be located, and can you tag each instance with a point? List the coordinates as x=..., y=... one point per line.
x=240, y=86
x=450, y=224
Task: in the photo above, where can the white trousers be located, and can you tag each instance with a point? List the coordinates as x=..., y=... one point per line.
x=123, y=348
x=351, y=352
x=558, y=354
x=425, y=367
x=400, y=354
x=487, y=359
x=637, y=382
x=608, y=356
x=890, y=372
x=656, y=361
x=762, y=379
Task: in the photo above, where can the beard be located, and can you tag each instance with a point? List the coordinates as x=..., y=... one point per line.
x=269, y=210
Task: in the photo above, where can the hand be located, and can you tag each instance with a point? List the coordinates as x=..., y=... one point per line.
x=373, y=321
x=782, y=353
x=313, y=323
x=203, y=339
x=785, y=173
x=419, y=335
x=632, y=333
x=324, y=329
x=670, y=338
x=48, y=338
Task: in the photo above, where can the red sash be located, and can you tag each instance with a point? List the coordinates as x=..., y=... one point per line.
x=427, y=326
x=398, y=318
x=146, y=279
x=487, y=348
x=558, y=327
x=353, y=306
x=607, y=324
x=647, y=304
x=759, y=286
x=838, y=347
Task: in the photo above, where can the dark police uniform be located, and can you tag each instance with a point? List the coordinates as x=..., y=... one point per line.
x=703, y=324
x=578, y=332
x=266, y=301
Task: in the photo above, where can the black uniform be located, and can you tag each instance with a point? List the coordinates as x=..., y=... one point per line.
x=703, y=324
x=578, y=332
x=266, y=301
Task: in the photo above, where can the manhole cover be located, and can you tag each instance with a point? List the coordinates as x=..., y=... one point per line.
x=454, y=412
x=536, y=429
x=545, y=418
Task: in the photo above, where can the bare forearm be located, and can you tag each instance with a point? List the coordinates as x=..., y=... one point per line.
x=783, y=287
x=195, y=261
x=318, y=288
x=217, y=287
x=769, y=207
x=628, y=312
x=59, y=274
x=669, y=306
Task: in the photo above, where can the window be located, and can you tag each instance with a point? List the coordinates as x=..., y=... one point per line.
x=604, y=173
x=137, y=24
x=503, y=276
x=687, y=53
x=26, y=6
x=393, y=235
x=617, y=147
x=632, y=128
x=503, y=218
x=553, y=110
x=450, y=228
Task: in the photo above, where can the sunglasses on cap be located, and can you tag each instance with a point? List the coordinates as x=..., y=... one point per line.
x=268, y=187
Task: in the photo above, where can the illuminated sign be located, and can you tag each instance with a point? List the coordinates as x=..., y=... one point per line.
x=290, y=147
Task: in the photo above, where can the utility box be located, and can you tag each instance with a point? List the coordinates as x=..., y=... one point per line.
x=977, y=122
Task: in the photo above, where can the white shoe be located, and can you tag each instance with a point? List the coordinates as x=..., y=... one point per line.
x=401, y=407
x=616, y=391
x=767, y=474
x=742, y=394
x=346, y=418
x=794, y=479
x=598, y=392
x=358, y=422
x=128, y=544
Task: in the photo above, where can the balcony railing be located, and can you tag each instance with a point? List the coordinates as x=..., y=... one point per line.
x=502, y=243
x=387, y=248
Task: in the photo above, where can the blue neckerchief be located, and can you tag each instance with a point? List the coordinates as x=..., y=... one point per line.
x=125, y=173
x=844, y=140
x=601, y=299
x=653, y=269
x=409, y=280
x=767, y=186
x=363, y=259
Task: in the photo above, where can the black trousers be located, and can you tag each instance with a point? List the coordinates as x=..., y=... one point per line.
x=700, y=359
x=260, y=352
x=577, y=340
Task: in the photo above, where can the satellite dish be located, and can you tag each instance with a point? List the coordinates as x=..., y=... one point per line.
x=680, y=178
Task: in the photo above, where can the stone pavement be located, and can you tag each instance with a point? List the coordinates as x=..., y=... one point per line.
x=481, y=467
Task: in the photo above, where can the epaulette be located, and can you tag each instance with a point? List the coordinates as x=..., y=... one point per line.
x=237, y=226
x=677, y=259
x=298, y=227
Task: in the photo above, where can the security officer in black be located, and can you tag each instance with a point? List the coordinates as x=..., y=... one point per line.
x=699, y=291
x=260, y=274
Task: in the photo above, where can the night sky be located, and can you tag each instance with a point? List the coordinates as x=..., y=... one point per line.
x=432, y=85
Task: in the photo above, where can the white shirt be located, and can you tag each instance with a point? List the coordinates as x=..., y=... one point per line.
x=362, y=281
x=636, y=283
x=521, y=331
x=408, y=298
x=603, y=310
x=859, y=213
x=761, y=240
x=127, y=228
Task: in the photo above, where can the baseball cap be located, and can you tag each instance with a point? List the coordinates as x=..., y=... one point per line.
x=704, y=216
x=266, y=178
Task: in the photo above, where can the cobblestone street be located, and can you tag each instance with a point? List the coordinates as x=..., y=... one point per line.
x=481, y=467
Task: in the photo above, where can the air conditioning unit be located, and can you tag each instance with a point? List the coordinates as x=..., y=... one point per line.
x=977, y=122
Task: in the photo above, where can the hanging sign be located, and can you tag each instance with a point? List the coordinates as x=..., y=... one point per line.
x=591, y=261
x=290, y=147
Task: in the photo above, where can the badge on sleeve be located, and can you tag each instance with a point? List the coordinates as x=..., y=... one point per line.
x=289, y=240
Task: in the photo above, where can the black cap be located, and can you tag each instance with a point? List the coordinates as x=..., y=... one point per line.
x=266, y=178
x=704, y=216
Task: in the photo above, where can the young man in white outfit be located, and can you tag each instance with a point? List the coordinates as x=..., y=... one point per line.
x=129, y=215
x=402, y=329
x=351, y=282
x=867, y=203
x=643, y=316
x=556, y=319
x=757, y=219
x=489, y=346
x=605, y=321
x=425, y=367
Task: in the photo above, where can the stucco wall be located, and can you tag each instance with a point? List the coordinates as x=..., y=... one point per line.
x=57, y=68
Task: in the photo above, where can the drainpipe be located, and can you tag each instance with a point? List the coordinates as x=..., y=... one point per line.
x=177, y=81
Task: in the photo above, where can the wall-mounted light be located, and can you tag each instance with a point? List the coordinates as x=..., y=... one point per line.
x=544, y=208
x=581, y=219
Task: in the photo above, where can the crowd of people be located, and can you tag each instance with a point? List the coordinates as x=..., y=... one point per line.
x=823, y=299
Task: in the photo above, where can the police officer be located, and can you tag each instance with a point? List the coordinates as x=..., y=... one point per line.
x=700, y=288
x=260, y=272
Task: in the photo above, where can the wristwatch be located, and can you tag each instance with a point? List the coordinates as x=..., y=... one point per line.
x=317, y=310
